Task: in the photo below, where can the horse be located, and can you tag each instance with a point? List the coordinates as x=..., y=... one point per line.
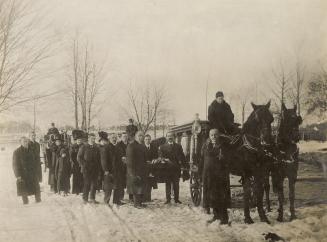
x=247, y=157
x=286, y=157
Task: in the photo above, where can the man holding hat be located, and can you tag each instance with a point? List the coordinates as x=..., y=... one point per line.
x=77, y=183
x=220, y=115
x=88, y=157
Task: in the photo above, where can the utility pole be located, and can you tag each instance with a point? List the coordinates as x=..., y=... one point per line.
x=34, y=121
x=206, y=108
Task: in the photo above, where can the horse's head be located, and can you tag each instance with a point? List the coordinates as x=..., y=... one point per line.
x=262, y=119
x=289, y=124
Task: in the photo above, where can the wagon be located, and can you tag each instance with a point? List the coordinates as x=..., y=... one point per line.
x=191, y=136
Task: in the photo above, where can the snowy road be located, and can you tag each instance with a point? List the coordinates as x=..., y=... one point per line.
x=67, y=219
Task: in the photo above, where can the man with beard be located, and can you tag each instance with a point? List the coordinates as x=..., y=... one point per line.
x=88, y=157
x=214, y=169
x=220, y=115
x=63, y=167
x=120, y=165
x=77, y=183
x=35, y=147
x=174, y=152
x=26, y=171
x=136, y=168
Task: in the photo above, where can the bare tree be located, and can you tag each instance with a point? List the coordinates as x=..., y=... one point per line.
x=86, y=81
x=21, y=50
x=145, y=103
x=281, y=84
x=298, y=84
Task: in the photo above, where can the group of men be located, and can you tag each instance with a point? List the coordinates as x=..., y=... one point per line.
x=113, y=166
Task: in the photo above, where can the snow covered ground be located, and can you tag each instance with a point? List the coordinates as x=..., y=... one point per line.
x=59, y=218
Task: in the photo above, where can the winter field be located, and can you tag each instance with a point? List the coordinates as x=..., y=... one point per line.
x=59, y=218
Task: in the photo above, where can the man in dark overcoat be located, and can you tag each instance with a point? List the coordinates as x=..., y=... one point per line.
x=120, y=164
x=63, y=167
x=136, y=168
x=77, y=181
x=131, y=129
x=220, y=115
x=35, y=147
x=107, y=158
x=26, y=171
x=88, y=157
x=214, y=168
x=174, y=152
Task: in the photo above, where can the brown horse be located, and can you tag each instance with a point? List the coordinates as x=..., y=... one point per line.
x=247, y=157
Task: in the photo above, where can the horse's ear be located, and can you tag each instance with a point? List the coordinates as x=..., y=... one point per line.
x=295, y=107
x=300, y=120
x=268, y=104
x=254, y=106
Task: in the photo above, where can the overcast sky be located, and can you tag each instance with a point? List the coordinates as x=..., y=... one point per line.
x=183, y=43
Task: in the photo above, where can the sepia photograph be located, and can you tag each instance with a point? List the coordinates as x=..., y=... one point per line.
x=163, y=120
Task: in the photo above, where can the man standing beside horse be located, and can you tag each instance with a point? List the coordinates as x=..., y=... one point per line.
x=214, y=169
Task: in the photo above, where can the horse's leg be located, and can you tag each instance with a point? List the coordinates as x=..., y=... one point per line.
x=259, y=190
x=246, y=198
x=280, y=192
x=267, y=190
x=291, y=183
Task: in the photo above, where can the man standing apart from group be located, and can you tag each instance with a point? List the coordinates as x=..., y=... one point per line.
x=136, y=168
x=174, y=152
x=89, y=159
x=26, y=170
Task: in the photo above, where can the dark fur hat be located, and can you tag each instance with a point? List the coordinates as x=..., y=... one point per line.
x=103, y=136
x=77, y=134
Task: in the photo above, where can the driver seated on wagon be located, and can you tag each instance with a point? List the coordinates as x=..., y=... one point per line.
x=220, y=116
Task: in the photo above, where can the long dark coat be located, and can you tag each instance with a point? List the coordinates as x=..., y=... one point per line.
x=77, y=183
x=136, y=168
x=119, y=165
x=107, y=158
x=63, y=169
x=35, y=147
x=214, y=168
x=221, y=117
x=174, y=152
x=25, y=166
x=89, y=159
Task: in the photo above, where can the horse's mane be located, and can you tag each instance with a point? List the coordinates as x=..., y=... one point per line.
x=249, y=122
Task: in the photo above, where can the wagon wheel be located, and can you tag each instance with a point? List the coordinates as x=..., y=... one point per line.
x=195, y=188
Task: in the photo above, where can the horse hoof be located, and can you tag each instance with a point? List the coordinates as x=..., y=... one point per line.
x=293, y=217
x=265, y=220
x=248, y=220
x=280, y=219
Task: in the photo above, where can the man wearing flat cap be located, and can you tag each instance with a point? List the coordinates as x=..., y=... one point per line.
x=220, y=115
